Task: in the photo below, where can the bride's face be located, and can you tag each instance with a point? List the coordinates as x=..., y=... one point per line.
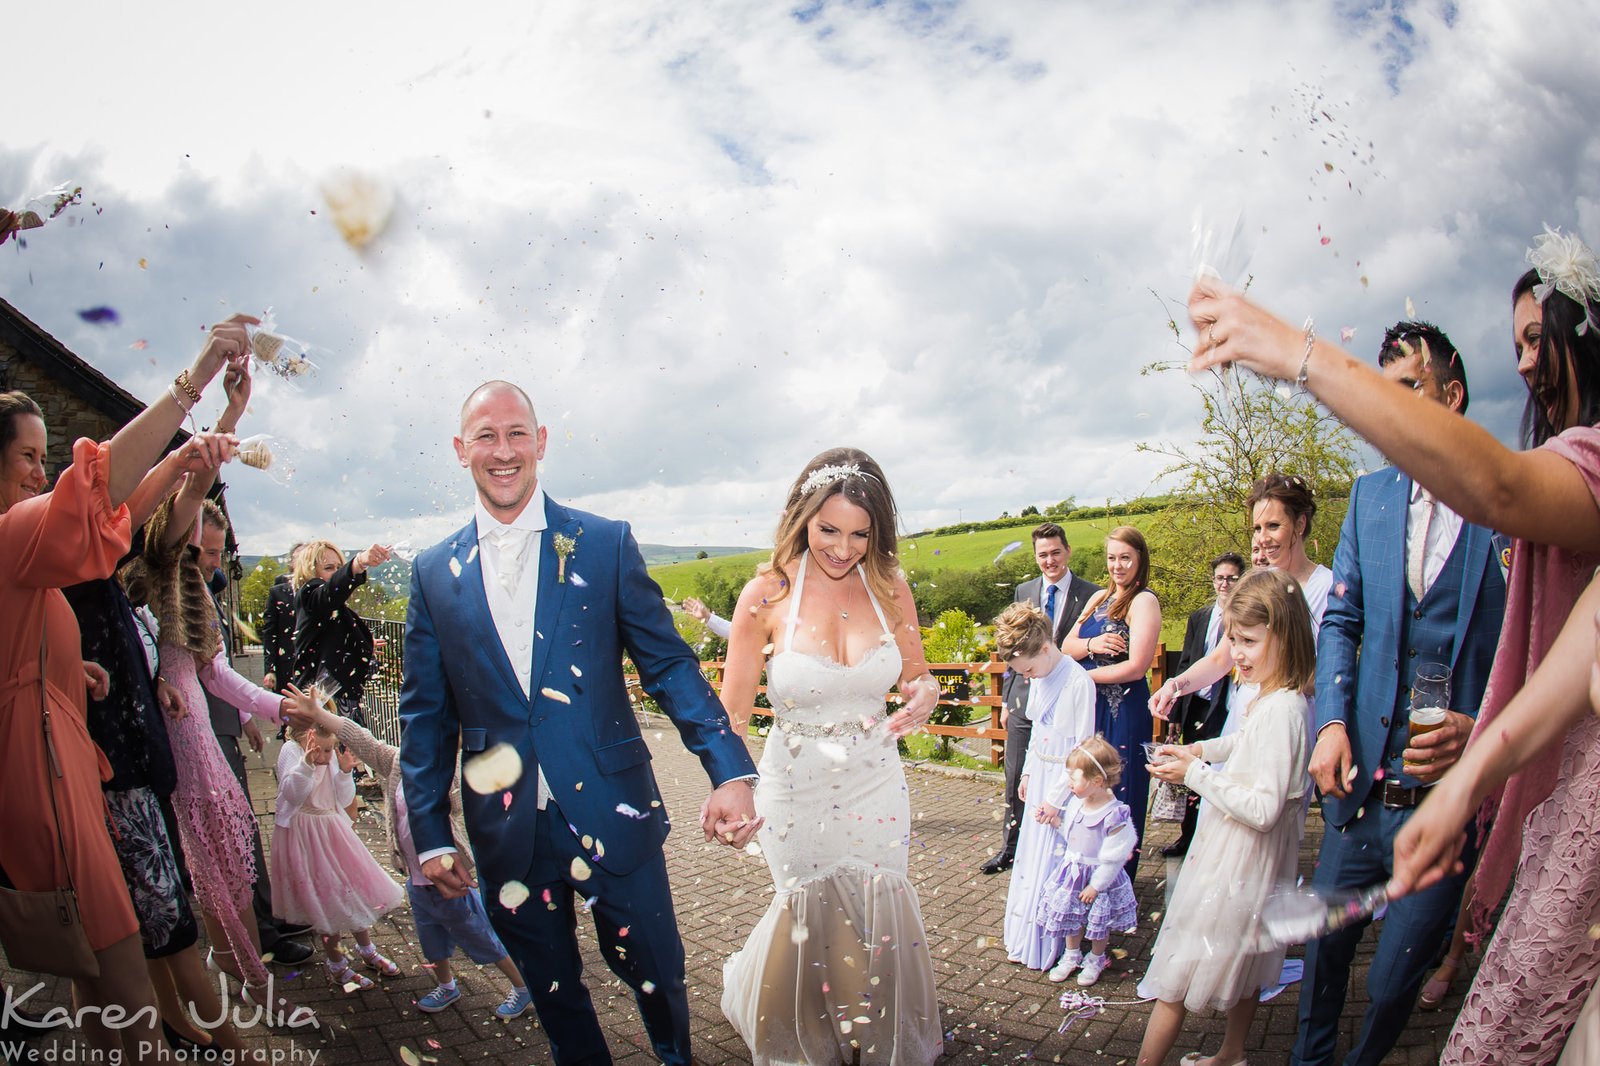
x=839, y=535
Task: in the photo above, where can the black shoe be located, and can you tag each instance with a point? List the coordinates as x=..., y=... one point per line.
x=291, y=929
x=289, y=953
x=188, y=1048
x=997, y=863
x=1176, y=850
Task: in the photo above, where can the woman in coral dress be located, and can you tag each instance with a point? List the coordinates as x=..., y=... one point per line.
x=50, y=800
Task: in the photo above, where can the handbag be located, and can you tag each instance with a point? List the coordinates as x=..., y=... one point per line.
x=1171, y=800
x=43, y=931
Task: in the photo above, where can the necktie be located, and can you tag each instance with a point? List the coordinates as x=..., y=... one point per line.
x=511, y=545
x=1417, y=547
x=1050, y=604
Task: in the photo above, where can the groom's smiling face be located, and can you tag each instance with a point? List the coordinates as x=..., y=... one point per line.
x=501, y=442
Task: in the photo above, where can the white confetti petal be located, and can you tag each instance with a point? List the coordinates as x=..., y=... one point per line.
x=494, y=771
x=555, y=694
x=513, y=894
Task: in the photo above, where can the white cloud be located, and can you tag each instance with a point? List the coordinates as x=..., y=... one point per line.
x=714, y=240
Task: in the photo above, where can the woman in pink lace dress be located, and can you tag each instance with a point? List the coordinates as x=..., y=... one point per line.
x=1542, y=962
x=214, y=817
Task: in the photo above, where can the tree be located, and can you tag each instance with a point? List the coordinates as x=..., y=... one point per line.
x=702, y=554
x=1249, y=427
x=1028, y=510
x=253, y=589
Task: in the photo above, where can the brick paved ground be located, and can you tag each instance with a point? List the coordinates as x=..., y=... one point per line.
x=994, y=1011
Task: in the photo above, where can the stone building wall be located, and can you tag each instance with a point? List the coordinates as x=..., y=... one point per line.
x=67, y=415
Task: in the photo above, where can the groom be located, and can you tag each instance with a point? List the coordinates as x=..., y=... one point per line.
x=515, y=635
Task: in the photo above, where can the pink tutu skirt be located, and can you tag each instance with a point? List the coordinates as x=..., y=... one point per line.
x=324, y=876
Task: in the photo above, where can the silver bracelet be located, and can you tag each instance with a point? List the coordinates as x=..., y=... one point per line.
x=178, y=398
x=1305, y=361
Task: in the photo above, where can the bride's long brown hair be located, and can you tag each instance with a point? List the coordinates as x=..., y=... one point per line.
x=856, y=476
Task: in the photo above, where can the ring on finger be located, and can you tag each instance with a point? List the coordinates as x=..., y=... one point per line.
x=1211, y=331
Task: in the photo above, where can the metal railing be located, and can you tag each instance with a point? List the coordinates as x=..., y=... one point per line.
x=381, y=700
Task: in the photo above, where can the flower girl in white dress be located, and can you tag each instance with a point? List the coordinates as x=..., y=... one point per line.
x=1212, y=950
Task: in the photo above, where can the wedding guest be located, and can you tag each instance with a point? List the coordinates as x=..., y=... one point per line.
x=1212, y=951
x=50, y=538
x=1441, y=609
x=215, y=819
x=1541, y=963
x=1116, y=636
x=277, y=626
x=229, y=725
x=333, y=646
x=1061, y=594
x=1061, y=708
x=1200, y=714
x=719, y=626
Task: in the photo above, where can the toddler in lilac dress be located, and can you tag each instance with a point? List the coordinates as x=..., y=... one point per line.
x=1091, y=894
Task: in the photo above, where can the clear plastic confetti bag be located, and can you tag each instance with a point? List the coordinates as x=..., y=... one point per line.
x=39, y=209
x=1221, y=251
x=286, y=357
x=359, y=204
x=269, y=454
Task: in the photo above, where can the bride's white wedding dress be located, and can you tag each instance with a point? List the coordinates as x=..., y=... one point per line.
x=839, y=964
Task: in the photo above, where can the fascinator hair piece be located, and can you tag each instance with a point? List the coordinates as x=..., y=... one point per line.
x=827, y=475
x=1565, y=264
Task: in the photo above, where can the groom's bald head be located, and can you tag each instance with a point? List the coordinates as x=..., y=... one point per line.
x=490, y=389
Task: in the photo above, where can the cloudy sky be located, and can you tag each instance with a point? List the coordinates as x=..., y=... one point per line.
x=712, y=239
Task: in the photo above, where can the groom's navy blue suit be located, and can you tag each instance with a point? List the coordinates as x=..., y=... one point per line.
x=461, y=690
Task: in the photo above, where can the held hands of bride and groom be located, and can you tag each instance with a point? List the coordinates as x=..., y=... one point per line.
x=728, y=814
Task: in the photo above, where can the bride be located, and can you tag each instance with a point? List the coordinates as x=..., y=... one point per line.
x=838, y=968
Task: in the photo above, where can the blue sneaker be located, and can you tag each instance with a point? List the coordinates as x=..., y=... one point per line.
x=437, y=1000
x=518, y=1000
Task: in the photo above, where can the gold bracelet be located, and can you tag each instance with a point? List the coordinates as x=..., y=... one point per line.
x=185, y=383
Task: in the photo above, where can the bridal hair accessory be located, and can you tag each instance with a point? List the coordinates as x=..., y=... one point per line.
x=827, y=475
x=1566, y=264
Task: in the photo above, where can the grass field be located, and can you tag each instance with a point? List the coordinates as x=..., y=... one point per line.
x=919, y=555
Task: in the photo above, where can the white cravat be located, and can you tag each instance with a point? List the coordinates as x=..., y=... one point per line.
x=1431, y=532
x=511, y=549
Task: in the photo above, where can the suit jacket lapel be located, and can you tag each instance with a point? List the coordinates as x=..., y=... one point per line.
x=551, y=590
x=474, y=603
x=1387, y=604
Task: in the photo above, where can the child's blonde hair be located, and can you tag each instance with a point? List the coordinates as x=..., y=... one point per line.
x=1272, y=598
x=1021, y=630
x=1097, y=758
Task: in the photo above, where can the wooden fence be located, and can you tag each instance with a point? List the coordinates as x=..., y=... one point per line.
x=960, y=685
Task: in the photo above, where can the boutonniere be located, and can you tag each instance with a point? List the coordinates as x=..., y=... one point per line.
x=564, y=546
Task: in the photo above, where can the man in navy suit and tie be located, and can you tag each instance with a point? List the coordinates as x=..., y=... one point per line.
x=515, y=634
x=1061, y=594
x=1414, y=586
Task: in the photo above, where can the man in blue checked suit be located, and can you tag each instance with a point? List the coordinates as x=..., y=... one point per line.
x=1414, y=585
x=515, y=635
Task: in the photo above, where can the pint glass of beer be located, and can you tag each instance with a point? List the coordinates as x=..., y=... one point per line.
x=1430, y=700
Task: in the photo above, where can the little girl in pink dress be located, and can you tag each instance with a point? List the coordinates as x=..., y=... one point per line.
x=322, y=874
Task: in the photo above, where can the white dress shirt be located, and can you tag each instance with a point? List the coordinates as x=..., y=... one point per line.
x=513, y=617
x=1442, y=533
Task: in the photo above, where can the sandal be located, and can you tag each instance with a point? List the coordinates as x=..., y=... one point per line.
x=1438, y=986
x=345, y=976
x=378, y=963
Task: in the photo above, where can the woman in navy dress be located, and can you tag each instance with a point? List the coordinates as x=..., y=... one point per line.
x=1115, y=639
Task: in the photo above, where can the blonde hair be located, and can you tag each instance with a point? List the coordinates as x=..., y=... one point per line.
x=309, y=558
x=1022, y=630
x=853, y=474
x=1273, y=599
x=1096, y=757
